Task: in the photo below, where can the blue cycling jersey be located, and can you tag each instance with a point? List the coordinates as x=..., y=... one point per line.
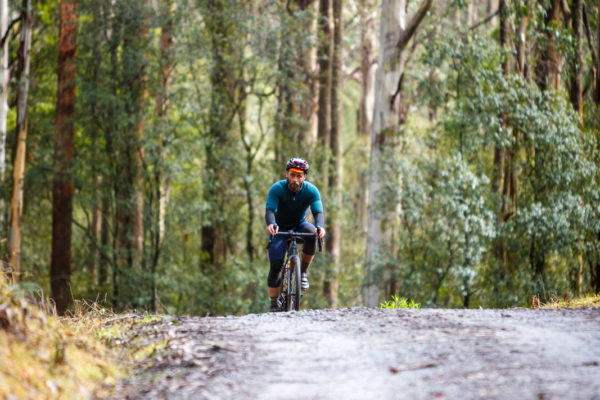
x=289, y=207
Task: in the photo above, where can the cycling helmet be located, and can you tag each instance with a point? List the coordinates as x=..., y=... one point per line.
x=297, y=163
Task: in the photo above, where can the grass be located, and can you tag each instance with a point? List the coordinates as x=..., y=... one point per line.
x=399, y=302
x=589, y=301
x=43, y=356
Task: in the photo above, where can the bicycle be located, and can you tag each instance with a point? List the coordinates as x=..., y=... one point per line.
x=291, y=290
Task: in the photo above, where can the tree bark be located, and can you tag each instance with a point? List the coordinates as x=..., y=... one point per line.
x=522, y=65
x=576, y=88
x=335, y=176
x=310, y=109
x=471, y=12
x=502, y=156
x=492, y=5
x=548, y=66
x=4, y=83
x=161, y=111
x=4, y=80
x=367, y=69
x=365, y=112
x=62, y=193
x=597, y=91
x=138, y=149
x=325, y=54
x=394, y=36
x=16, y=208
x=499, y=147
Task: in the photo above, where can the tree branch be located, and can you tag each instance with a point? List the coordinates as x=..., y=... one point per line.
x=486, y=20
x=12, y=23
x=398, y=90
x=414, y=23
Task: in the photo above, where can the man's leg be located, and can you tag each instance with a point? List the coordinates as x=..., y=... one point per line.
x=276, y=256
x=308, y=253
x=274, y=283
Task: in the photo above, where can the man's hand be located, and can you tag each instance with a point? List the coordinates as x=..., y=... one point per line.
x=320, y=232
x=272, y=229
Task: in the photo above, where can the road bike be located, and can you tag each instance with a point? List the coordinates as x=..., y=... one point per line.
x=291, y=290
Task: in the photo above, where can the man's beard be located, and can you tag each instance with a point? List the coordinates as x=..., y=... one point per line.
x=294, y=187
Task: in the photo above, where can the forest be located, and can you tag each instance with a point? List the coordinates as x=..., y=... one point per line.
x=455, y=144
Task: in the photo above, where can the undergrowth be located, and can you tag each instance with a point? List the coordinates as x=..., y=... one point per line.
x=82, y=356
x=589, y=301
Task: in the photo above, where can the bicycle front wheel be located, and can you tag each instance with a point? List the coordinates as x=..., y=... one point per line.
x=295, y=292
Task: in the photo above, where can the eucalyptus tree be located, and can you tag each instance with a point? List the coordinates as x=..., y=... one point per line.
x=395, y=34
x=62, y=193
x=162, y=177
x=336, y=149
x=23, y=68
x=4, y=80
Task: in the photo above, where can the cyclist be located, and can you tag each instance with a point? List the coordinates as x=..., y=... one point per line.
x=286, y=207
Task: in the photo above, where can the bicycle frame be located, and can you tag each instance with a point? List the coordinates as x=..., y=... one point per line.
x=291, y=291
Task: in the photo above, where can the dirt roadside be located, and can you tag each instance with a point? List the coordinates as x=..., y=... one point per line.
x=365, y=353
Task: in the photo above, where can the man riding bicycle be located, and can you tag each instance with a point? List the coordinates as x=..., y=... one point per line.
x=286, y=207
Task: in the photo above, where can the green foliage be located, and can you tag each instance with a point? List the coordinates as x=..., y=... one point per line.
x=239, y=97
x=450, y=230
x=399, y=302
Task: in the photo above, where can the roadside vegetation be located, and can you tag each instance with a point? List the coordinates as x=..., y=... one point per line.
x=589, y=301
x=399, y=302
x=43, y=356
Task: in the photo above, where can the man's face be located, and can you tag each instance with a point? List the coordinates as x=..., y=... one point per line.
x=295, y=179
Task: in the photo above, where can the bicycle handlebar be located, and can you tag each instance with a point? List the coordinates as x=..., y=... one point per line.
x=298, y=235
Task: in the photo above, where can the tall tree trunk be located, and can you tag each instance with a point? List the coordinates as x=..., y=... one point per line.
x=501, y=155
x=548, y=66
x=367, y=92
x=104, y=262
x=16, y=207
x=597, y=91
x=4, y=80
x=596, y=284
x=521, y=64
x=576, y=96
x=394, y=36
x=491, y=7
x=62, y=191
x=138, y=149
x=4, y=84
x=471, y=12
x=161, y=112
x=310, y=108
x=325, y=54
x=330, y=285
x=367, y=69
x=576, y=89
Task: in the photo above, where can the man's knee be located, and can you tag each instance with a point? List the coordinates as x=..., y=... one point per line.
x=274, y=278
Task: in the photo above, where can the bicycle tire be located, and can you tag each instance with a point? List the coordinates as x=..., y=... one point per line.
x=294, y=289
x=298, y=285
x=288, y=289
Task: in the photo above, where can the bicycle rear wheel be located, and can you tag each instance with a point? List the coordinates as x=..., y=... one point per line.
x=295, y=292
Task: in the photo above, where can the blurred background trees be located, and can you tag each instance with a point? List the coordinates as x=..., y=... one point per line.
x=465, y=175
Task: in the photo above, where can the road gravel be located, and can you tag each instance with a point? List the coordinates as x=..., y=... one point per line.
x=363, y=353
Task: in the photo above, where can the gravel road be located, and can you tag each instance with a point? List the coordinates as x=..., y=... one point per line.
x=363, y=353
